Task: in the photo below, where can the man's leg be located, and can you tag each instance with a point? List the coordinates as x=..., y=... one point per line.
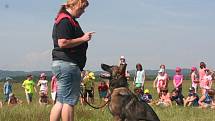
x=67, y=112
x=56, y=112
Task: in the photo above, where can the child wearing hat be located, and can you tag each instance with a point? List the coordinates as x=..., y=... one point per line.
x=147, y=97
x=177, y=97
x=192, y=99
x=160, y=81
x=89, y=87
x=178, y=80
x=7, y=88
x=43, y=83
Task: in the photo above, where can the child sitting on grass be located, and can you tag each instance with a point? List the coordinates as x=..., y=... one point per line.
x=43, y=100
x=147, y=97
x=13, y=100
x=192, y=99
x=207, y=100
x=164, y=100
x=177, y=97
x=143, y=96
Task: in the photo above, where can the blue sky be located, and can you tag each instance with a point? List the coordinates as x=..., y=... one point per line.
x=151, y=32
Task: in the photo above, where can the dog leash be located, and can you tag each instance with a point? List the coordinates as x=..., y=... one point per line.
x=95, y=107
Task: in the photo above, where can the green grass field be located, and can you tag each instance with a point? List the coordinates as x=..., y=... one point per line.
x=35, y=112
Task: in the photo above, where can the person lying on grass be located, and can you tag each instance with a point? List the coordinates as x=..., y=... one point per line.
x=192, y=99
x=177, y=97
x=207, y=100
x=164, y=100
x=13, y=100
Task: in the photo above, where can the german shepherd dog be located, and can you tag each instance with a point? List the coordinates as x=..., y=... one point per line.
x=125, y=105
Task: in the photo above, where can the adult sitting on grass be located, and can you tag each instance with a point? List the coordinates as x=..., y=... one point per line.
x=192, y=99
x=164, y=100
x=207, y=100
x=177, y=97
x=13, y=100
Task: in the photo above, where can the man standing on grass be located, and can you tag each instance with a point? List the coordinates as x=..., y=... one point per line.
x=29, y=86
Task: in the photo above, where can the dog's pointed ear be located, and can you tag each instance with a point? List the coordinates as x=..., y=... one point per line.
x=122, y=68
x=106, y=67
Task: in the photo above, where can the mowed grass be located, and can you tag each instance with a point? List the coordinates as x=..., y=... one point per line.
x=35, y=112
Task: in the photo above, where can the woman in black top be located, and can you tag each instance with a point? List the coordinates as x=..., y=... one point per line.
x=69, y=58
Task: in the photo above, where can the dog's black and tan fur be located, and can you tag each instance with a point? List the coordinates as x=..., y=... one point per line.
x=124, y=105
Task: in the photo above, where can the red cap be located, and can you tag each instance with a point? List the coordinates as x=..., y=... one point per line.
x=193, y=68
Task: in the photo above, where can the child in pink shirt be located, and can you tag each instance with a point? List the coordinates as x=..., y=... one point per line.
x=164, y=100
x=202, y=73
x=177, y=80
x=206, y=81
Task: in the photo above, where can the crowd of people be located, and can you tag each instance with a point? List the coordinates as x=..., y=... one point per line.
x=30, y=89
x=201, y=92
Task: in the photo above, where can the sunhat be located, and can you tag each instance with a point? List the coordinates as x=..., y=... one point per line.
x=122, y=57
x=146, y=91
x=161, y=70
x=42, y=75
x=91, y=75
